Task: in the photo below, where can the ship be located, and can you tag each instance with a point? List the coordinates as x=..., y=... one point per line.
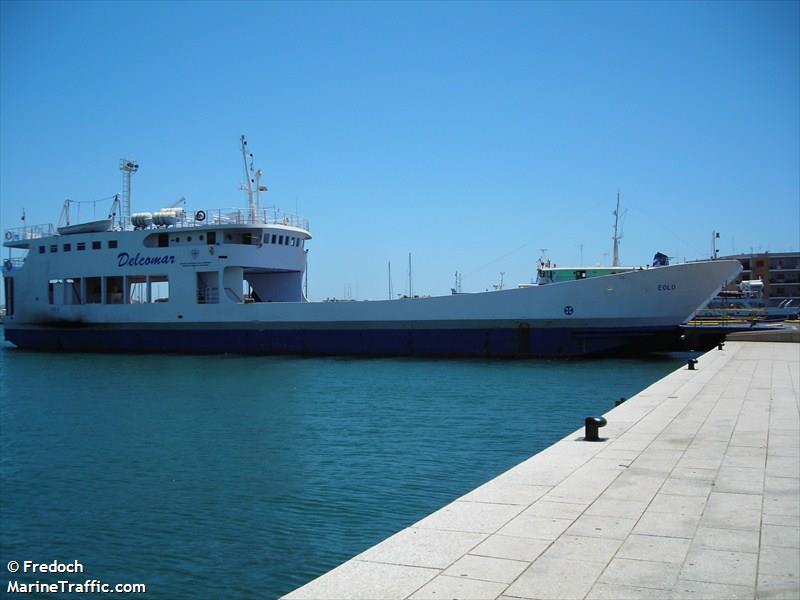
x=216, y=280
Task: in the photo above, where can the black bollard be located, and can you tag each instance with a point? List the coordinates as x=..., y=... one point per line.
x=620, y=401
x=692, y=362
x=592, y=425
x=720, y=345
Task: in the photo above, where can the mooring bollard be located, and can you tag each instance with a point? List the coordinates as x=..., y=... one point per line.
x=691, y=362
x=720, y=345
x=620, y=401
x=592, y=425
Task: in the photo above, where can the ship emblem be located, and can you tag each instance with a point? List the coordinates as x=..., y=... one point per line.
x=568, y=310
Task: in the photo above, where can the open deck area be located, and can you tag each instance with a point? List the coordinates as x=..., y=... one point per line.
x=695, y=493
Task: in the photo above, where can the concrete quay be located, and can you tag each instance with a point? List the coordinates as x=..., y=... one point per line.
x=695, y=493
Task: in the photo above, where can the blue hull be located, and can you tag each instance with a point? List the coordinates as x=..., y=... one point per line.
x=520, y=342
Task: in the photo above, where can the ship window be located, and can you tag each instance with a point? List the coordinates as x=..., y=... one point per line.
x=280, y=240
x=159, y=288
x=137, y=289
x=114, y=290
x=274, y=238
x=112, y=243
x=67, y=247
x=212, y=237
x=163, y=240
x=81, y=246
x=228, y=237
x=94, y=293
x=95, y=245
x=189, y=238
x=55, y=291
x=41, y=249
x=54, y=248
x=72, y=291
x=201, y=237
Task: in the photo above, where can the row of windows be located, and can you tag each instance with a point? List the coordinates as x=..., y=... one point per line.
x=80, y=246
x=163, y=241
x=130, y=289
x=283, y=240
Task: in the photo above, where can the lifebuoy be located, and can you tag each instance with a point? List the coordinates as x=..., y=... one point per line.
x=200, y=215
x=9, y=235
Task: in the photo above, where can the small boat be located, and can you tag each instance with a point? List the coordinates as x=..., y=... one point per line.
x=90, y=227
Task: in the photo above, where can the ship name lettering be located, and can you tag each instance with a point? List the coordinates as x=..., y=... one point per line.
x=126, y=260
x=666, y=287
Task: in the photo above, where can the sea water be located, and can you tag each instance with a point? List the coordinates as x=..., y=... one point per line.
x=244, y=477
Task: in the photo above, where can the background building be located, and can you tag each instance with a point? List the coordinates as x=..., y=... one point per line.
x=780, y=272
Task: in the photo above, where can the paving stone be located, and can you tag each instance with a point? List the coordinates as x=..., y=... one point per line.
x=474, y=517
x=556, y=578
x=681, y=526
x=777, y=535
x=777, y=587
x=455, y=587
x=687, y=487
x=740, y=480
x=487, y=569
x=783, y=466
x=557, y=510
x=655, y=548
x=720, y=566
x=423, y=548
x=543, y=528
x=735, y=540
x=703, y=590
x=592, y=549
x=681, y=505
x=784, y=562
x=612, y=507
x=358, y=580
x=641, y=573
x=506, y=493
x=606, y=527
x=514, y=548
x=611, y=591
x=694, y=473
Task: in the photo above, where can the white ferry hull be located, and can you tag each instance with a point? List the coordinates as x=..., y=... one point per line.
x=639, y=310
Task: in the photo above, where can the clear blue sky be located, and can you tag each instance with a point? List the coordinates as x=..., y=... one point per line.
x=471, y=135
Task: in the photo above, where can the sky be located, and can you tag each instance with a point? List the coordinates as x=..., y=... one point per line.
x=470, y=135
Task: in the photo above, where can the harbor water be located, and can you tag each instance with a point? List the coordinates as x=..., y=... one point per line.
x=242, y=477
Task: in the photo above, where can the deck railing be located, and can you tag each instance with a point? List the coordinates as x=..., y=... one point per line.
x=198, y=218
x=28, y=232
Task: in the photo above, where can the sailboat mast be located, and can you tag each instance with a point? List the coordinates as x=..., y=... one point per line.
x=615, y=262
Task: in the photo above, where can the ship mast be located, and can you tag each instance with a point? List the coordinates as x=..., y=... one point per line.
x=617, y=237
x=251, y=201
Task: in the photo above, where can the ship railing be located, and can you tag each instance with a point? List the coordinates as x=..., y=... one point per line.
x=28, y=232
x=240, y=216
